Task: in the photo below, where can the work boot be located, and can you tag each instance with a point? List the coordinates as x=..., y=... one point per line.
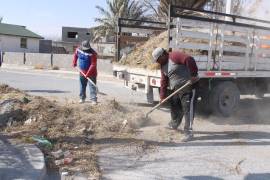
x=81, y=101
x=187, y=137
x=172, y=125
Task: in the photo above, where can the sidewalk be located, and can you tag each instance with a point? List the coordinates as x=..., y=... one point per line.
x=20, y=161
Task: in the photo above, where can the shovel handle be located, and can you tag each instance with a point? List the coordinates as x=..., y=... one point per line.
x=167, y=98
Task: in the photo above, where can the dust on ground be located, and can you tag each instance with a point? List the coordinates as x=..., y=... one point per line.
x=70, y=127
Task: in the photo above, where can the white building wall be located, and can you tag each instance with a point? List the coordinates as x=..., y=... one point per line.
x=13, y=44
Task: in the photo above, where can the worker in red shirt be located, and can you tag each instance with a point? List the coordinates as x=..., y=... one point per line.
x=86, y=58
x=176, y=69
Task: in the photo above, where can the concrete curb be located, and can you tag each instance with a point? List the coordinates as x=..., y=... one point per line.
x=36, y=159
x=21, y=161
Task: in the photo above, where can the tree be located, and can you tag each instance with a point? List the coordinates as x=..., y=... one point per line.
x=1, y=19
x=159, y=8
x=115, y=9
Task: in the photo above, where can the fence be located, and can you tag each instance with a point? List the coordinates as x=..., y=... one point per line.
x=62, y=61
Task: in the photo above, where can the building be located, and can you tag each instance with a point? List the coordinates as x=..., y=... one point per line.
x=75, y=34
x=15, y=38
x=57, y=47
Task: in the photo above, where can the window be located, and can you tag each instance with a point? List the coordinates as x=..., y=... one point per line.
x=24, y=43
x=72, y=35
x=88, y=34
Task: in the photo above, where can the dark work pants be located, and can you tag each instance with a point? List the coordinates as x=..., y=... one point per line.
x=183, y=105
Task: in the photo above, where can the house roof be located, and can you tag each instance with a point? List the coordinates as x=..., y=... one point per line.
x=16, y=30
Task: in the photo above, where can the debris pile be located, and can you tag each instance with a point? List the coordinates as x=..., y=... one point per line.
x=65, y=133
x=141, y=56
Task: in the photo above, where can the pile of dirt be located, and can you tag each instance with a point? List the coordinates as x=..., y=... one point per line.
x=141, y=56
x=71, y=127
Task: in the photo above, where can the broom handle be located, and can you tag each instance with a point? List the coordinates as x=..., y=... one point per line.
x=167, y=98
x=87, y=77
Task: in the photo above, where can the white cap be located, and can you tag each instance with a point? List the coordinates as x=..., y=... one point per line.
x=157, y=53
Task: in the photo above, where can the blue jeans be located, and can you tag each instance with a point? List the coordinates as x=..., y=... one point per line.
x=92, y=88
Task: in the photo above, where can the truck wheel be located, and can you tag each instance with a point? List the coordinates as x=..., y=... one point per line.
x=224, y=98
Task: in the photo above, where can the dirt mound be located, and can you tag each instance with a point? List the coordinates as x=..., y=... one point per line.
x=141, y=56
x=70, y=128
x=6, y=89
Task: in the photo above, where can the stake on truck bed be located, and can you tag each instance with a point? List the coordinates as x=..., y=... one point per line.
x=232, y=54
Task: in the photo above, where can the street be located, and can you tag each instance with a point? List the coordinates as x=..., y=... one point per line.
x=63, y=86
x=223, y=148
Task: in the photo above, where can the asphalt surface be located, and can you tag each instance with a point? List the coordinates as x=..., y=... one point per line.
x=64, y=86
x=234, y=148
x=214, y=155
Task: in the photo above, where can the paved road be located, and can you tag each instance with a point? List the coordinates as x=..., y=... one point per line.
x=213, y=155
x=63, y=85
x=222, y=148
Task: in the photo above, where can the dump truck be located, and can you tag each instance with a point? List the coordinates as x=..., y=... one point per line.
x=232, y=54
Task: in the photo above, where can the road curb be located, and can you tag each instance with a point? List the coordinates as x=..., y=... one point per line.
x=21, y=161
x=36, y=159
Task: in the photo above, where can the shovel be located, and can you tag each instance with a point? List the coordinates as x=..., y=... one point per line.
x=167, y=98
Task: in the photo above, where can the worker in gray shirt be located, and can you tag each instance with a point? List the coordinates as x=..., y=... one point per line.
x=176, y=69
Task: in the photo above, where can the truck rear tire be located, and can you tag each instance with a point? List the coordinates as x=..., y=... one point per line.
x=224, y=98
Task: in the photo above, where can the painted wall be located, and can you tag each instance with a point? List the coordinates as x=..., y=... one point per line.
x=13, y=44
x=63, y=61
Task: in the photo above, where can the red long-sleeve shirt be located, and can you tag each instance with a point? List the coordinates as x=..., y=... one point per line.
x=92, y=70
x=178, y=58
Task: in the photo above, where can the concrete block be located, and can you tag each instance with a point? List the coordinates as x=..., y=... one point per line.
x=63, y=61
x=13, y=58
x=38, y=59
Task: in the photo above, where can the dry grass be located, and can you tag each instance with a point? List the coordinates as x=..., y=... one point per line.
x=55, y=68
x=141, y=56
x=39, y=66
x=71, y=127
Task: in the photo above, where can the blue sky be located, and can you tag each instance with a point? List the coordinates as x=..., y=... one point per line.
x=46, y=17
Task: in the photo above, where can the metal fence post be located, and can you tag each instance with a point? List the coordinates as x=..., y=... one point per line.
x=24, y=57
